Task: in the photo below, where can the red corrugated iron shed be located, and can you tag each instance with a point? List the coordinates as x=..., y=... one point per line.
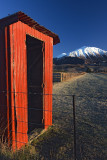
x=26, y=59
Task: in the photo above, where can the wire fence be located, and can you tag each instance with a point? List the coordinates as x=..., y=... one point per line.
x=81, y=118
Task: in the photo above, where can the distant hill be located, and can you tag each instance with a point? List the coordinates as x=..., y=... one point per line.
x=68, y=60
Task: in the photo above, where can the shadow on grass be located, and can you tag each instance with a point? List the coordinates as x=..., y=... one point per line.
x=53, y=144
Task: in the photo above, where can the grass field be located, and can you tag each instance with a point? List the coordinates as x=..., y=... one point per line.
x=91, y=111
x=57, y=142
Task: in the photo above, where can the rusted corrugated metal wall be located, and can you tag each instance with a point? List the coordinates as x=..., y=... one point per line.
x=13, y=78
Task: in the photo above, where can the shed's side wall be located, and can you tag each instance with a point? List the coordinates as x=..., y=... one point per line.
x=3, y=103
x=18, y=49
x=4, y=86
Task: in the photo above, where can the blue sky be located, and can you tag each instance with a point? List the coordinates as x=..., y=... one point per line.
x=77, y=22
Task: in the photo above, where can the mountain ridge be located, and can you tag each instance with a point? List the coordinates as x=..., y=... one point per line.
x=90, y=55
x=87, y=52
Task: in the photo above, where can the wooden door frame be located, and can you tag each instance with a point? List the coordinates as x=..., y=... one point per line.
x=43, y=80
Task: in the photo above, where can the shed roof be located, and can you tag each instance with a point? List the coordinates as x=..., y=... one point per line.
x=20, y=16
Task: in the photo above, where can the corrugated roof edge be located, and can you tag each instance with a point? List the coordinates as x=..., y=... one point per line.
x=20, y=16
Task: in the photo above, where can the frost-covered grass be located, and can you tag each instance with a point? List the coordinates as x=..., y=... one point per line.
x=91, y=105
x=57, y=142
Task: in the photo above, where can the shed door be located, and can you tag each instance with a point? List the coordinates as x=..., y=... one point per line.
x=35, y=82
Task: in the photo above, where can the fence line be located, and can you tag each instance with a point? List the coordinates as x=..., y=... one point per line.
x=45, y=110
x=34, y=93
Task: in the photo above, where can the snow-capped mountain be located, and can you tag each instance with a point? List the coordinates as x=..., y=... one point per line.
x=88, y=52
x=84, y=55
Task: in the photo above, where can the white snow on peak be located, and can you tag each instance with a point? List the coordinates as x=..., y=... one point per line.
x=62, y=55
x=87, y=51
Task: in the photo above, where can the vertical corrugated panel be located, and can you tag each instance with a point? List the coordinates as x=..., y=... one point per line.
x=24, y=82
x=46, y=81
x=25, y=128
x=51, y=75
x=18, y=84
x=12, y=88
x=49, y=65
x=19, y=87
x=17, y=100
x=16, y=109
x=22, y=118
